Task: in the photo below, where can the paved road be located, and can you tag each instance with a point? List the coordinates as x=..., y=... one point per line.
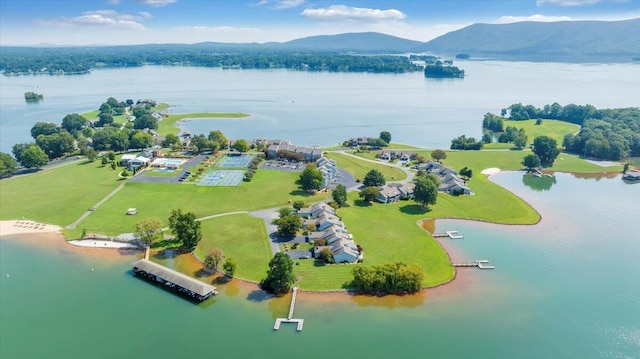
x=267, y=216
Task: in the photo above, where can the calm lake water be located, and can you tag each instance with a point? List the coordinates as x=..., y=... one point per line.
x=323, y=108
x=568, y=287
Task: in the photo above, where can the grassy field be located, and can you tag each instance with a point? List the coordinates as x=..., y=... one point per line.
x=552, y=128
x=267, y=189
x=57, y=195
x=167, y=125
x=359, y=168
x=239, y=236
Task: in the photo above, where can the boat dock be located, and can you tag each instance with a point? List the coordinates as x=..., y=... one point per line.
x=482, y=264
x=289, y=318
x=173, y=280
x=450, y=234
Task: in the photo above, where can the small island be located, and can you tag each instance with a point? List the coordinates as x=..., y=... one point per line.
x=438, y=71
x=32, y=96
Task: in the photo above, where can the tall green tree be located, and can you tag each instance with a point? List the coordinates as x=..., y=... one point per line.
x=7, y=164
x=141, y=139
x=185, y=227
x=374, y=178
x=289, y=225
x=241, y=145
x=44, y=128
x=425, y=191
x=146, y=121
x=280, y=277
x=339, y=195
x=531, y=161
x=213, y=259
x=311, y=178
x=149, y=230
x=438, y=155
x=33, y=157
x=170, y=140
x=219, y=137
x=369, y=194
x=57, y=144
x=230, y=267
x=546, y=148
x=74, y=122
x=104, y=119
x=385, y=136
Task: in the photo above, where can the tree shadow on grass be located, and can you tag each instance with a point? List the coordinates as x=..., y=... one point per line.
x=299, y=192
x=414, y=209
x=361, y=203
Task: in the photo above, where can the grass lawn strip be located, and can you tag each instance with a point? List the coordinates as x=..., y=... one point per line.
x=359, y=169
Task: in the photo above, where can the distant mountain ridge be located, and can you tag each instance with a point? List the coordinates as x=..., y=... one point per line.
x=566, y=38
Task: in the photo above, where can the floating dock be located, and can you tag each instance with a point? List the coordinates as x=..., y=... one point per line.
x=289, y=318
x=482, y=264
x=450, y=234
x=173, y=280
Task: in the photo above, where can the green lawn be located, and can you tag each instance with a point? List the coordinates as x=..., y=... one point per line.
x=267, y=189
x=57, y=195
x=552, y=128
x=239, y=236
x=359, y=168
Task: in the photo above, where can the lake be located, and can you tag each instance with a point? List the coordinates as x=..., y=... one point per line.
x=567, y=287
x=310, y=108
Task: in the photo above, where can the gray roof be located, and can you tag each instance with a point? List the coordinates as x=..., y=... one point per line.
x=174, y=277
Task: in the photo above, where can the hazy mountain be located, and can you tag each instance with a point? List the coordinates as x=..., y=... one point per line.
x=570, y=38
x=356, y=42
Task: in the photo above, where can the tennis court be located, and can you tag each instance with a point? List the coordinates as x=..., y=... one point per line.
x=235, y=161
x=222, y=178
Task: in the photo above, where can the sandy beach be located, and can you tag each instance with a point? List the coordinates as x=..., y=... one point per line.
x=490, y=171
x=8, y=228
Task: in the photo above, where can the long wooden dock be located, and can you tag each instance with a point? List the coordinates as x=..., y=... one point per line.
x=482, y=264
x=450, y=234
x=289, y=318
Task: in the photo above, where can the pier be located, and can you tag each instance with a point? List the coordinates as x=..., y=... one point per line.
x=482, y=264
x=450, y=234
x=176, y=281
x=290, y=318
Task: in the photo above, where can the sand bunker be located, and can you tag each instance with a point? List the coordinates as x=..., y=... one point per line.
x=490, y=171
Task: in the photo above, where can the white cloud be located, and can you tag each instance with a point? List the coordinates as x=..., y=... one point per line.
x=567, y=2
x=348, y=13
x=156, y=3
x=536, y=17
x=101, y=18
x=280, y=4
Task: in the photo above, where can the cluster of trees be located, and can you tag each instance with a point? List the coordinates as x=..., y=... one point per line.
x=215, y=257
x=8, y=165
x=253, y=167
x=214, y=141
x=288, y=222
x=311, y=178
x=388, y=278
x=464, y=143
x=570, y=113
x=32, y=96
x=428, y=59
x=17, y=61
x=439, y=71
x=493, y=122
x=513, y=135
x=280, y=277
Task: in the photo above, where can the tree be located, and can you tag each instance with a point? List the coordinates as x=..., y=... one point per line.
x=105, y=108
x=466, y=172
x=280, y=276
x=170, y=140
x=385, y=136
x=218, y=137
x=230, y=267
x=57, y=144
x=531, y=161
x=298, y=205
x=149, y=230
x=487, y=137
x=241, y=145
x=33, y=157
x=520, y=141
x=7, y=164
x=626, y=167
x=284, y=211
x=339, y=195
x=374, y=178
x=44, y=128
x=104, y=119
x=376, y=142
x=289, y=225
x=369, y=194
x=425, y=192
x=18, y=150
x=326, y=256
x=311, y=178
x=438, y=155
x=213, y=259
x=141, y=139
x=145, y=121
x=90, y=153
x=546, y=148
x=185, y=227
x=74, y=122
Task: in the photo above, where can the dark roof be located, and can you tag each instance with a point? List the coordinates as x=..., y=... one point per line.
x=174, y=277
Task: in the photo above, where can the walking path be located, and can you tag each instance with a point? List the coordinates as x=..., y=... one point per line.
x=88, y=212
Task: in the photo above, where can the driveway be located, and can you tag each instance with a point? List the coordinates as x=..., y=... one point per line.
x=300, y=254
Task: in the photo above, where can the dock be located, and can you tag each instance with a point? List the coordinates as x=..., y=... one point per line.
x=450, y=234
x=290, y=318
x=482, y=264
x=173, y=280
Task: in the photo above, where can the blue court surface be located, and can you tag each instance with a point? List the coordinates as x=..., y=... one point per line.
x=222, y=178
x=235, y=161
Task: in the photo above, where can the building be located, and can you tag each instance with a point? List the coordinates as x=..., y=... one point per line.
x=316, y=210
x=450, y=182
x=329, y=170
x=276, y=148
x=357, y=141
x=394, y=192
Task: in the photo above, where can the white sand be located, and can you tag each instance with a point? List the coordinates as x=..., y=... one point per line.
x=490, y=171
x=8, y=228
x=101, y=244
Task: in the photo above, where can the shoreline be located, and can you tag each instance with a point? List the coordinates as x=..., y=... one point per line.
x=21, y=227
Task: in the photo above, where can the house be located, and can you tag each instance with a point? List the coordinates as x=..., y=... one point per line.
x=345, y=251
x=138, y=162
x=329, y=170
x=406, y=190
x=124, y=160
x=325, y=221
x=277, y=147
x=316, y=210
x=393, y=192
x=357, y=141
x=450, y=182
x=385, y=156
x=335, y=233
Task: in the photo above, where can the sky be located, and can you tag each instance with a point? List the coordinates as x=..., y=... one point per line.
x=125, y=22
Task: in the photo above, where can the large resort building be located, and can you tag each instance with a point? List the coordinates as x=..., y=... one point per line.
x=277, y=147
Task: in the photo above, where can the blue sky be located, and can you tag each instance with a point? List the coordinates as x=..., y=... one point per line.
x=113, y=22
